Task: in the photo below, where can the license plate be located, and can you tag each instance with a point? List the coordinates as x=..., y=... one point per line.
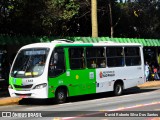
x=23, y=96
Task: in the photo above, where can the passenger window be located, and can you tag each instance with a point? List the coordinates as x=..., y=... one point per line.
x=115, y=56
x=95, y=57
x=76, y=57
x=132, y=56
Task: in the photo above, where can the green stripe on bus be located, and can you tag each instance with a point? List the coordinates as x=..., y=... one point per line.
x=15, y=81
x=78, y=82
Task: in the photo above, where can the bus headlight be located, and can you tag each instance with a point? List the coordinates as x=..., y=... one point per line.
x=40, y=86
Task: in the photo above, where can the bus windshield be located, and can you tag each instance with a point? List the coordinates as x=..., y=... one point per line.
x=30, y=62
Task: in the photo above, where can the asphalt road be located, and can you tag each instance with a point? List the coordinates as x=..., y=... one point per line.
x=90, y=106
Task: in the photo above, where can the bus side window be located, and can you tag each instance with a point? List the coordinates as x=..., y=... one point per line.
x=76, y=57
x=95, y=57
x=132, y=56
x=57, y=63
x=91, y=57
x=101, y=60
x=115, y=56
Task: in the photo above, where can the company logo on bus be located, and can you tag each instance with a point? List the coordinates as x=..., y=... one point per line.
x=106, y=74
x=101, y=74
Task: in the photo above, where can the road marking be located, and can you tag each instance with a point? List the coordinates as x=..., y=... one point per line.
x=136, y=106
x=155, y=102
x=102, y=110
x=154, y=118
x=57, y=118
x=118, y=109
x=69, y=118
x=139, y=105
x=123, y=96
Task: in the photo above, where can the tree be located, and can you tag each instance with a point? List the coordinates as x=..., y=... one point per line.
x=132, y=18
x=94, y=18
x=38, y=17
x=110, y=15
x=6, y=9
x=143, y=18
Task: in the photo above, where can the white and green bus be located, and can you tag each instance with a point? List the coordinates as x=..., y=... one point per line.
x=62, y=68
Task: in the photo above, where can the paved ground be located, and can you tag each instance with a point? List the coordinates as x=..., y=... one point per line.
x=150, y=84
x=6, y=100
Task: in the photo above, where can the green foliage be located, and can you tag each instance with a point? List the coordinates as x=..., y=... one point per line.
x=140, y=19
x=70, y=11
x=36, y=17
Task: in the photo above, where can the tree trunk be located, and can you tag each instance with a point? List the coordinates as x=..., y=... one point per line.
x=94, y=18
x=111, y=24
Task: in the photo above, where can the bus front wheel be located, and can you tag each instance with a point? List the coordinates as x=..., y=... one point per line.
x=118, y=89
x=61, y=95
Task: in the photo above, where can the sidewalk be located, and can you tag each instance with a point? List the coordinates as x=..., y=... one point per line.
x=6, y=100
x=150, y=84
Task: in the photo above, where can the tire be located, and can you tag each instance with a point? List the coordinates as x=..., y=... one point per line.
x=118, y=89
x=61, y=95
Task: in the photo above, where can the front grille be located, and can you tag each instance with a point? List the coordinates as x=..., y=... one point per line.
x=23, y=86
x=29, y=94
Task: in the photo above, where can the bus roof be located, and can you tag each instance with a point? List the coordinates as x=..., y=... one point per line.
x=57, y=43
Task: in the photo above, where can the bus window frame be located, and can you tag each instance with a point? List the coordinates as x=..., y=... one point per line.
x=82, y=58
x=133, y=56
x=122, y=57
x=96, y=65
x=51, y=65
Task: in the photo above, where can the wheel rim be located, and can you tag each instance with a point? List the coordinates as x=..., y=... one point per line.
x=60, y=95
x=118, y=89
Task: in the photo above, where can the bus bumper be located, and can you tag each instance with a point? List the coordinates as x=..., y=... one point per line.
x=36, y=93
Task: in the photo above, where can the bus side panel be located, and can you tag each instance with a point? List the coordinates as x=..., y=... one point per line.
x=54, y=82
x=135, y=74
x=78, y=82
x=130, y=75
x=82, y=82
x=104, y=79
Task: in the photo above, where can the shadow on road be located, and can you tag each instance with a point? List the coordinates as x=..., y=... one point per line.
x=134, y=90
x=30, y=101
x=4, y=93
x=3, y=89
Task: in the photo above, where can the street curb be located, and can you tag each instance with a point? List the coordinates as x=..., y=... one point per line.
x=9, y=101
x=15, y=101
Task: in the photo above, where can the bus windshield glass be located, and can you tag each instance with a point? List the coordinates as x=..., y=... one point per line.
x=30, y=62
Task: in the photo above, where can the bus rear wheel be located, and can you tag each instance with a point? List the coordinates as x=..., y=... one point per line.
x=118, y=89
x=61, y=95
